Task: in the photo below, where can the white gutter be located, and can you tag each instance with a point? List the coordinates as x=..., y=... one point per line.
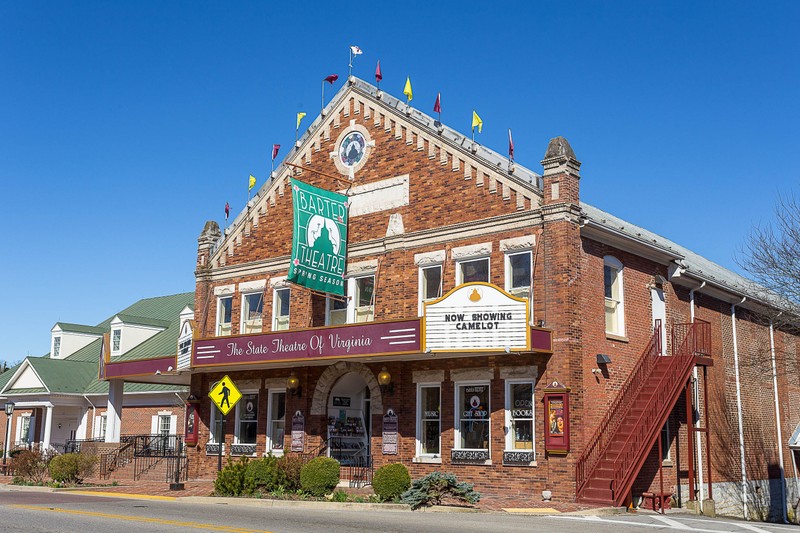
x=698, y=439
x=739, y=408
x=778, y=422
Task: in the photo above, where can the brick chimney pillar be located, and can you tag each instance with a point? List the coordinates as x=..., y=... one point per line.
x=205, y=247
x=562, y=173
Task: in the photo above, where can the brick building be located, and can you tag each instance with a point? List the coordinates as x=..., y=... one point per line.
x=606, y=338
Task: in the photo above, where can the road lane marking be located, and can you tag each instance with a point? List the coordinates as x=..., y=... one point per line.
x=180, y=523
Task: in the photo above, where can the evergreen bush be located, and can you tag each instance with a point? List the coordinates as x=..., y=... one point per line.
x=72, y=468
x=289, y=466
x=263, y=475
x=390, y=481
x=230, y=480
x=433, y=488
x=320, y=476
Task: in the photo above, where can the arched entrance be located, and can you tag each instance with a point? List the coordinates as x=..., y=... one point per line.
x=349, y=420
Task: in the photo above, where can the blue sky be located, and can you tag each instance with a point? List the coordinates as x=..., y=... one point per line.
x=125, y=126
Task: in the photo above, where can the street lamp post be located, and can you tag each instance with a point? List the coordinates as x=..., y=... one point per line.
x=9, y=411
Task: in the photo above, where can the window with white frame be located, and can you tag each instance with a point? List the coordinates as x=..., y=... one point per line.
x=224, y=311
x=246, y=419
x=102, y=424
x=213, y=424
x=336, y=310
x=429, y=422
x=472, y=416
x=519, y=416
x=116, y=339
x=615, y=307
x=472, y=270
x=665, y=442
x=364, y=298
x=280, y=311
x=518, y=275
x=56, y=347
x=252, y=309
x=277, y=421
x=24, y=430
x=430, y=284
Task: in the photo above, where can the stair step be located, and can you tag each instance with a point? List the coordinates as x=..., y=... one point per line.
x=599, y=483
x=602, y=495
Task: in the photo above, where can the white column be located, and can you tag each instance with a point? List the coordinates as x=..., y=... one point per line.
x=114, y=410
x=48, y=426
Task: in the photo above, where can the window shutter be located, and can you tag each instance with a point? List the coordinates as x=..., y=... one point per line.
x=96, y=427
x=154, y=425
x=173, y=425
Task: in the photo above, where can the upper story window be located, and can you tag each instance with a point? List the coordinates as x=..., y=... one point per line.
x=336, y=311
x=518, y=275
x=614, y=298
x=56, y=347
x=280, y=311
x=224, y=310
x=472, y=270
x=430, y=284
x=364, y=299
x=116, y=338
x=252, y=309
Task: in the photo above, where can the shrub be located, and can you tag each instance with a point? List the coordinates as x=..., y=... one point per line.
x=71, y=467
x=339, y=496
x=319, y=476
x=431, y=489
x=230, y=480
x=290, y=466
x=31, y=465
x=390, y=481
x=263, y=475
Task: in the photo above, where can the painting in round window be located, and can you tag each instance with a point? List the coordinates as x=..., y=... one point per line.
x=352, y=149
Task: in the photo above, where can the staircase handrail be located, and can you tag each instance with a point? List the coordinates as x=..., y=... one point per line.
x=696, y=341
x=616, y=411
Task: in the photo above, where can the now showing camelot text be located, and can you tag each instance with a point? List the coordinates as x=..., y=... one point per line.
x=478, y=321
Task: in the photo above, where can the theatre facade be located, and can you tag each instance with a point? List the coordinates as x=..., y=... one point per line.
x=493, y=326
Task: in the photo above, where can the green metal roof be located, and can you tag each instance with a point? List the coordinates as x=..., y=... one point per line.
x=80, y=328
x=64, y=375
x=30, y=390
x=89, y=353
x=143, y=321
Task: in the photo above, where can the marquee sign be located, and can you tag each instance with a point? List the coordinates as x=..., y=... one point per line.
x=319, y=239
x=477, y=317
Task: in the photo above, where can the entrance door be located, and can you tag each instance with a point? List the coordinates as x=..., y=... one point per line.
x=348, y=433
x=659, y=313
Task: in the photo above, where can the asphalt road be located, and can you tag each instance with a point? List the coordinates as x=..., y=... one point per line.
x=46, y=512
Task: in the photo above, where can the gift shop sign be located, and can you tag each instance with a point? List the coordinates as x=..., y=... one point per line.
x=477, y=317
x=378, y=338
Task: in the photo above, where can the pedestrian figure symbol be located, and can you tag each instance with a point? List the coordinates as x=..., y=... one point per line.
x=225, y=395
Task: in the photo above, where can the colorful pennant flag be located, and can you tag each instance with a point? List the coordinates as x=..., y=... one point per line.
x=378, y=74
x=510, y=145
x=476, y=121
x=332, y=78
x=407, y=90
x=252, y=183
x=299, y=118
x=275, y=148
x=437, y=106
x=228, y=209
x=356, y=51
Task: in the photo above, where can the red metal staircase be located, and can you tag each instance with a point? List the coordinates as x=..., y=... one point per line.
x=614, y=455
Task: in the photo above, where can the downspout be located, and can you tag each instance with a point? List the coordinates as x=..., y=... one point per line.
x=94, y=413
x=778, y=421
x=698, y=440
x=739, y=407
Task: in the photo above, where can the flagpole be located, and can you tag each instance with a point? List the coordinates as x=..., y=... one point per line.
x=323, y=98
x=350, y=65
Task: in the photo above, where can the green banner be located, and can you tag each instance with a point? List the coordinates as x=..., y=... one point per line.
x=319, y=241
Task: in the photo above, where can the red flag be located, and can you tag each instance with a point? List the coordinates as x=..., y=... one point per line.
x=510, y=146
x=437, y=107
x=332, y=78
x=227, y=210
x=275, y=148
x=378, y=74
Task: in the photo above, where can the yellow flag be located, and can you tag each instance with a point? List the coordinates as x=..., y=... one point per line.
x=407, y=91
x=299, y=118
x=476, y=121
x=252, y=182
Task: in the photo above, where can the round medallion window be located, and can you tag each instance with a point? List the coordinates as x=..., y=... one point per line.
x=352, y=149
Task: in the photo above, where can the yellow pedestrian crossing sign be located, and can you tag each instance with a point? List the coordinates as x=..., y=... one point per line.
x=225, y=395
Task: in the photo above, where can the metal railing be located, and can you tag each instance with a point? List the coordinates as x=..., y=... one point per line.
x=360, y=469
x=146, y=452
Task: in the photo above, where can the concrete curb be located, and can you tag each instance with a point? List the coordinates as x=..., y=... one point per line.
x=296, y=504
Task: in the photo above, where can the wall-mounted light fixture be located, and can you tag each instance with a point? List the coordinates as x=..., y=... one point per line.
x=385, y=381
x=293, y=385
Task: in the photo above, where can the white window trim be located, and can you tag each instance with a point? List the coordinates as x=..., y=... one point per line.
x=243, y=314
x=352, y=302
x=276, y=307
x=239, y=404
x=509, y=440
x=460, y=274
x=270, y=407
x=457, y=412
x=56, y=349
x=119, y=344
x=427, y=457
x=420, y=300
x=31, y=421
x=507, y=270
x=213, y=423
x=218, y=326
x=615, y=263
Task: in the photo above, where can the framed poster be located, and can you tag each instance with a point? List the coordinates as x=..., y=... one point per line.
x=390, y=433
x=556, y=426
x=298, y=432
x=341, y=401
